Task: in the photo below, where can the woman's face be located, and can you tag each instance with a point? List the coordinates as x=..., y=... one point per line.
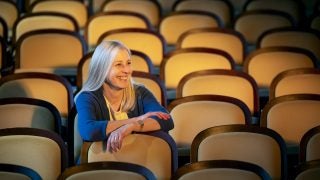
x=121, y=70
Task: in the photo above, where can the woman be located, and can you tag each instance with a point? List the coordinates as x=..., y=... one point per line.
x=110, y=106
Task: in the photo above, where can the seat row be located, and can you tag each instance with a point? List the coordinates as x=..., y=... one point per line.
x=146, y=14
x=61, y=52
x=221, y=147
x=232, y=100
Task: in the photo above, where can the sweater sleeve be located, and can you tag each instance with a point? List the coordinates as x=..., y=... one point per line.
x=90, y=127
x=150, y=104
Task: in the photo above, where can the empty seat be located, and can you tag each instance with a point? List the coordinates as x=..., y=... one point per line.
x=292, y=37
x=181, y=62
x=48, y=87
x=227, y=40
x=150, y=9
x=106, y=170
x=295, y=81
x=261, y=146
x=38, y=149
x=265, y=64
x=221, y=169
x=292, y=116
x=252, y=24
x=231, y=83
x=294, y=8
x=10, y=13
x=29, y=112
x=14, y=171
x=315, y=22
x=176, y=23
x=43, y=20
x=198, y=112
x=50, y=50
x=76, y=9
x=308, y=170
x=223, y=9
x=309, y=145
x=106, y=21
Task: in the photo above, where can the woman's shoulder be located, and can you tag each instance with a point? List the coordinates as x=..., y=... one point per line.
x=86, y=95
x=140, y=88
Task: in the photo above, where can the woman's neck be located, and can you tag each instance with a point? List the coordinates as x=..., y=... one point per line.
x=114, y=96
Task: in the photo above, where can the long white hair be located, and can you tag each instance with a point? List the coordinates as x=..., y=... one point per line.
x=100, y=66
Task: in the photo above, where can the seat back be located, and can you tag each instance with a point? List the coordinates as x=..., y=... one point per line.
x=153, y=83
x=223, y=9
x=309, y=145
x=9, y=12
x=41, y=150
x=106, y=21
x=139, y=40
x=106, y=170
x=150, y=9
x=276, y=60
x=227, y=40
x=199, y=112
x=308, y=170
x=291, y=7
x=48, y=87
x=181, y=62
x=315, y=22
x=76, y=9
x=55, y=51
x=291, y=37
x=43, y=20
x=176, y=23
x=156, y=151
x=295, y=81
x=257, y=145
x=292, y=116
x=252, y=24
x=13, y=171
x=221, y=82
x=221, y=169
x=33, y=113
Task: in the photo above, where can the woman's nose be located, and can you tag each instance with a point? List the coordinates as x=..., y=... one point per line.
x=127, y=68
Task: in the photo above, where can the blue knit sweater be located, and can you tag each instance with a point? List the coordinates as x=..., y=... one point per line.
x=93, y=113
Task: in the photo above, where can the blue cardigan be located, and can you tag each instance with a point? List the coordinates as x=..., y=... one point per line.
x=93, y=113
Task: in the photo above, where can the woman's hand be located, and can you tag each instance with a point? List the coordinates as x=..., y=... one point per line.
x=116, y=137
x=159, y=114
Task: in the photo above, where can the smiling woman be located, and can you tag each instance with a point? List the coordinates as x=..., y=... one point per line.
x=110, y=106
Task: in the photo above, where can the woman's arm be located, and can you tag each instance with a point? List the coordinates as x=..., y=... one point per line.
x=150, y=104
x=91, y=122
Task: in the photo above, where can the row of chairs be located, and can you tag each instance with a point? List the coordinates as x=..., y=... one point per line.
x=154, y=12
x=224, y=147
x=66, y=49
x=170, y=26
x=228, y=40
x=222, y=82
